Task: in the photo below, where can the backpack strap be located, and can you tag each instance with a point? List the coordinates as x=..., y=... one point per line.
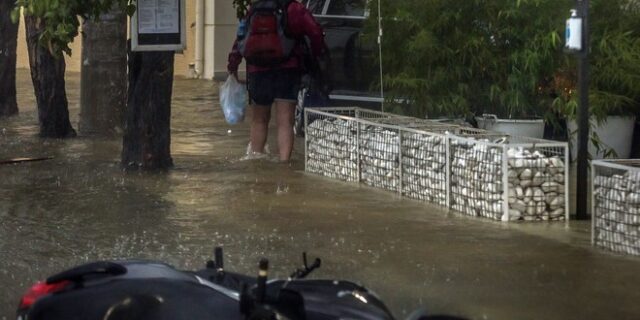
x=284, y=6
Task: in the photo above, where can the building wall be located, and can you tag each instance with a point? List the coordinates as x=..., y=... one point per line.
x=182, y=60
x=220, y=26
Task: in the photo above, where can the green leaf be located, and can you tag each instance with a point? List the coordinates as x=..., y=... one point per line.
x=15, y=15
x=60, y=18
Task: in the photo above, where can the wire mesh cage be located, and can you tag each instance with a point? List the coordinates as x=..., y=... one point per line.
x=379, y=156
x=397, y=120
x=424, y=166
x=409, y=161
x=372, y=115
x=331, y=145
x=408, y=122
x=473, y=171
x=477, y=187
x=538, y=182
x=616, y=205
x=508, y=178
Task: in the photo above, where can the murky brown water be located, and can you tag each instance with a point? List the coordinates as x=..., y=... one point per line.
x=81, y=206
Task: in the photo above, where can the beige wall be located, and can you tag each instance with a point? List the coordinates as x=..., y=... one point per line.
x=220, y=26
x=182, y=60
x=222, y=29
x=181, y=65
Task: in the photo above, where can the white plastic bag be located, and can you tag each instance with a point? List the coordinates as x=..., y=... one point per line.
x=233, y=99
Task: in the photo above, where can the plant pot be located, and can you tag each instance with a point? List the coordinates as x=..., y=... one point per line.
x=527, y=128
x=615, y=133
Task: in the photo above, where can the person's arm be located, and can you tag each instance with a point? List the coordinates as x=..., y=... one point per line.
x=235, y=57
x=306, y=24
x=312, y=30
x=234, y=60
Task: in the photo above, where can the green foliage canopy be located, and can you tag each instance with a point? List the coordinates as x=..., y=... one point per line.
x=60, y=19
x=615, y=59
x=455, y=57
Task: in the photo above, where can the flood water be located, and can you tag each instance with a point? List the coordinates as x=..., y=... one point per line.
x=80, y=207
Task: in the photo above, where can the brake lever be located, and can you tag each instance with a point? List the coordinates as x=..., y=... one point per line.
x=303, y=273
x=216, y=264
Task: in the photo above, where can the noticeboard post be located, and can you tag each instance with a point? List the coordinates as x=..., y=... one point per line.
x=158, y=25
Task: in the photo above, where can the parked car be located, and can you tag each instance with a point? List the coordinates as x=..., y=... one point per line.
x=354, y=65
x=353, y=61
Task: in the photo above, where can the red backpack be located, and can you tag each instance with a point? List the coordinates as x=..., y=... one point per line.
x=265, y=42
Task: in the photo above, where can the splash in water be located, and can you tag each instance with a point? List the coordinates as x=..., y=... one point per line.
x=282, y=188
x=252, y=155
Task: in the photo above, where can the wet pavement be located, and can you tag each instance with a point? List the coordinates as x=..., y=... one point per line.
x=80, y=206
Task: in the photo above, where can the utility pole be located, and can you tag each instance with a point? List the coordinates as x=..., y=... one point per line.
x=583, y=114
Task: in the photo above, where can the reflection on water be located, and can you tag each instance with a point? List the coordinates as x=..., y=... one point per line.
x=80, y=206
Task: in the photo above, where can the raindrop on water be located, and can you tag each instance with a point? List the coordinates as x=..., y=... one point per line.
x=282, y=188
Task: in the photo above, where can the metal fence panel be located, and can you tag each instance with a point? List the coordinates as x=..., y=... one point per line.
x=616, y=205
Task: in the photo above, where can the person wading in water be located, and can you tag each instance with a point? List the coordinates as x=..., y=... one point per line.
x=272, y=39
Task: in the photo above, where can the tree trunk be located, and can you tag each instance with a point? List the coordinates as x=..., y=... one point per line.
x=47, y=74
x=147, y=136
x=8, y=43
x=103, y=80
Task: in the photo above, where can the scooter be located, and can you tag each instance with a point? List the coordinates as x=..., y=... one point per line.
x=136, y=289
x=309, y=96
x=315, y=87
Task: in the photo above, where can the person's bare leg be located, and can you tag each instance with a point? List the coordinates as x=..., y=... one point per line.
x=284, y=115
x=259, y=126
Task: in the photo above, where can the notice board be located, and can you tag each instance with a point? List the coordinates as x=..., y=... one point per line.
x=158, y=25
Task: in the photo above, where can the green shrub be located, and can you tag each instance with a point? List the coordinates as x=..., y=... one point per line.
x=455, y=58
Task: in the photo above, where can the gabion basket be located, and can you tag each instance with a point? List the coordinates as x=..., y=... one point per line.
x=377, y=152
x=332, y=140
x=424, y=166
x=616, y=205
x=331, y=144
x=472, y=171
x=508, y=178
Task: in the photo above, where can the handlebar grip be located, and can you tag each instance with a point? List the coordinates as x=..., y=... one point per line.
x=217, y=252
x=263, y=273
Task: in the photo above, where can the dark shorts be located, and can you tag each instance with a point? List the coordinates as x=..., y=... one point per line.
x=265, y=87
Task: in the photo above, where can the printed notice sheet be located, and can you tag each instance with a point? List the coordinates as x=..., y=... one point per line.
x=158, y=16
